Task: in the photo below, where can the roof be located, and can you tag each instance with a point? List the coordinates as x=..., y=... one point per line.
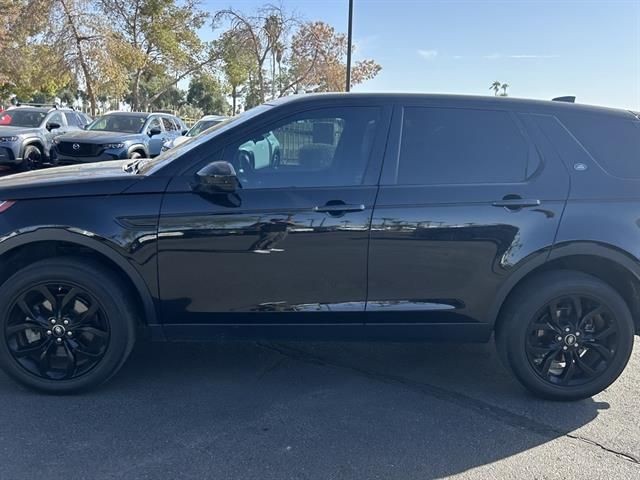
x=511, y=103
x=39, y=109
x=129, y=114
x=213, y=117
x=139, y=114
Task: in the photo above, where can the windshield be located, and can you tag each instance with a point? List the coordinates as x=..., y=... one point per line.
x=201, y=126
x=170, y=155
x=119, y=123
x=22, y=118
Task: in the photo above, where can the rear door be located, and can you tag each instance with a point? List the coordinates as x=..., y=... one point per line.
x=466, y=195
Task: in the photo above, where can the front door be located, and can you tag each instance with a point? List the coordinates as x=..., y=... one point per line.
x=467, y=196
x=291, y=244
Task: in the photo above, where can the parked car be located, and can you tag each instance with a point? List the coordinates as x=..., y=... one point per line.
x=258, y=153
x=119, y=135
x=389, y=217
x=200, y=126
x=27, y=132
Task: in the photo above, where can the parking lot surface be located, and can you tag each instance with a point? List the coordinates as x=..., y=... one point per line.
x=281, y=410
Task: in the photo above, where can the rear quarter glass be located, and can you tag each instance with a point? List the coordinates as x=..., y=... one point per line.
x=612, y=141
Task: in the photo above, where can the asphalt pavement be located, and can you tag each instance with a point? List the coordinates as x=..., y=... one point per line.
x=276, y=410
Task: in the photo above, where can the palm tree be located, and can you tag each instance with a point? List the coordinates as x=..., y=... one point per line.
x=504, y=89
x=495, y=86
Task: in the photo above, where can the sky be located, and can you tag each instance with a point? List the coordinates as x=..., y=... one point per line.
x=541, y=48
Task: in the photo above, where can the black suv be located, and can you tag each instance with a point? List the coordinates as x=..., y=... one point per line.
x=385, y=217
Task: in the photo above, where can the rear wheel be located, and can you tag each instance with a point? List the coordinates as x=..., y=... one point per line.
x=566, y=335
x=66, y=325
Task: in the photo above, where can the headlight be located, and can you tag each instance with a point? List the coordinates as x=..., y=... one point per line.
x=8, y=139
x=115, y=146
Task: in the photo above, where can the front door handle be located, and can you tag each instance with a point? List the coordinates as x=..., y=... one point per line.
x=517, y=203
x=338, y=208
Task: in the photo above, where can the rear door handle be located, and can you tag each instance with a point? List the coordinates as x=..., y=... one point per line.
x=339, y=208
x=517, y=203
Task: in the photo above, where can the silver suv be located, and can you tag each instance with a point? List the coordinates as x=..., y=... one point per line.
x=27, y=133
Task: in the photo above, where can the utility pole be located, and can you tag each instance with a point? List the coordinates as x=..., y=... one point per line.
x=349, y=45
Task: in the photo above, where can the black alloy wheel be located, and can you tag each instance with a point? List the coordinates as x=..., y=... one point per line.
x=57, y=331
x=572, y=340
x=66, y=324
x=31, y=159
x=565, y=335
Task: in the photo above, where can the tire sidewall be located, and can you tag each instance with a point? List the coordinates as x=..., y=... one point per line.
x=27, y=165
x=101, y=287
x=518, y=327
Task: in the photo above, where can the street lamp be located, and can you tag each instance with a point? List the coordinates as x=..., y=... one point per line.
x=349, y=44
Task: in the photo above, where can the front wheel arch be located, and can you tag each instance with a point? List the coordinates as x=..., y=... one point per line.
x=30, y=247
x=36, y=143
x=137, y=148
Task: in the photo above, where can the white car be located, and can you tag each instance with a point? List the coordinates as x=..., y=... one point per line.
x=200, y=126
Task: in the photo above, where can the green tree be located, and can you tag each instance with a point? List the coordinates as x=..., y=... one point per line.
x=156, y=35
x=206, y=93
x=237, y=64
x=495, y=86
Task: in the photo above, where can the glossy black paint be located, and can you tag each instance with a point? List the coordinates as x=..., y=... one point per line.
x=414, y=262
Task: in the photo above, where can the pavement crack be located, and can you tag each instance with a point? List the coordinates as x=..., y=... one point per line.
x=622, y=455
x=495, y=412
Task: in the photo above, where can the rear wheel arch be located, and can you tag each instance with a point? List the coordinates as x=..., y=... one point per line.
x=605, y=262
x=26, y=249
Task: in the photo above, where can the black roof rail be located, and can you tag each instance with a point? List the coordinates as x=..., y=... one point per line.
x=39, y=105
x=568, y=99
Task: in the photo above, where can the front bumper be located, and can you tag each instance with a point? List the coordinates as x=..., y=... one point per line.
x=9, y=155
x=106, y=156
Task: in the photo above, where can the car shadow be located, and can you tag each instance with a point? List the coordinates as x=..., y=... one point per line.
x=288, y=410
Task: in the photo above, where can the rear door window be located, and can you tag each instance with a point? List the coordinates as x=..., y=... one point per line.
x=455, y=146
x=169, y=126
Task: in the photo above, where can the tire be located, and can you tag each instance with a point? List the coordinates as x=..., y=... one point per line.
x=565, y=335
x=31, y=158
x=135, y=155
x=83, y=298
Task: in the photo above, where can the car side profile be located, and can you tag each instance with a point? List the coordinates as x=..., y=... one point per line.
x=387, y=217
x=27, y=133
x=118, y=135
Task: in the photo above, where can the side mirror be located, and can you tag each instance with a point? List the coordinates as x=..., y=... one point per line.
x=154, y=131
x=217, y=177
x=184, y=132
x=52, y=126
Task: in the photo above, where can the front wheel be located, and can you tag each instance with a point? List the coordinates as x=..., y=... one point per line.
x=32, y=158
x=565, y=335
x=66, y=325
